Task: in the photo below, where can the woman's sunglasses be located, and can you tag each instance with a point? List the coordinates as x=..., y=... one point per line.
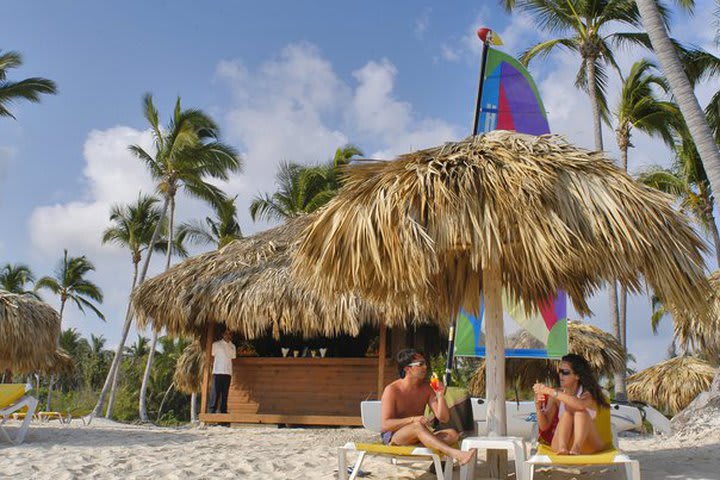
x=420, y=363
x=564, y=372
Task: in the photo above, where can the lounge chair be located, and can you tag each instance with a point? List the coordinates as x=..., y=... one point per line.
x=370, y=413
x=14, y=398
x=544, y=456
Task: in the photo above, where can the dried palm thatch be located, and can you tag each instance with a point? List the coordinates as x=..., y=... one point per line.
x=189, y=369
x=700, y=332
x=671, y=385
x=54, y=363
x=248, y=285
x=553, y=215
x=29, y=332
x=599, y=348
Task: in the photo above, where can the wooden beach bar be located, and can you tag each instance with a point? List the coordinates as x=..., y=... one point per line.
x=303, y=359
x=313, y=390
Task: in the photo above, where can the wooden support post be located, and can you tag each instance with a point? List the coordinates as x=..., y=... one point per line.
x=381, y=360
x=207, y=375
x=495, y=365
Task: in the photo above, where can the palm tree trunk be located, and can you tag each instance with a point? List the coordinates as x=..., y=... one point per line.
x=128, y=318
x=623, y=289
x=148, y=367
x=682, y=90
x=193, y=408
x=142, y=407
x=116, y=376
x=612, y=289
x=51, y=382
x=162, y=402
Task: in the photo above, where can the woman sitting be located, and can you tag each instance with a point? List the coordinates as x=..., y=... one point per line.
x=576, y=405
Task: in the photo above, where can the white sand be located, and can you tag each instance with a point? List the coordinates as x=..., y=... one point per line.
x=108, y=450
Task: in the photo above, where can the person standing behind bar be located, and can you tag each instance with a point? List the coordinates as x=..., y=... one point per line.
x=223, y=352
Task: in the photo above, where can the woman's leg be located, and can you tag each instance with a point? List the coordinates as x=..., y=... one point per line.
x=563, y=434
x=416, y=433
x=586, y=438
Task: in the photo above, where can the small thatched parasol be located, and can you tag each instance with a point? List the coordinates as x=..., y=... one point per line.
x=528, y=214
x=248, y=286
x=695, y=331
x=29, y=332
x=599, y=348
x=671, y=385
x=189, y=369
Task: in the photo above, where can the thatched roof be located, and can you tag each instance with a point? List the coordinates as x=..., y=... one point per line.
x=553, y=215
x=190, y=368
x=671, y=385
x=599, y=348
x=695, y=331
x=248, y=285
x=29, y=333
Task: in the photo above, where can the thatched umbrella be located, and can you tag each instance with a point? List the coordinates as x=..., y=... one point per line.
x=189, y=369
x=602, y=351
x=694, y=331
x=528, y=214
x=671, y=385
x=29, y=333
x=248, y=285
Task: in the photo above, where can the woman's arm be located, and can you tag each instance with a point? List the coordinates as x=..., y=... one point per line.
x=545, y=416
x=571, y=401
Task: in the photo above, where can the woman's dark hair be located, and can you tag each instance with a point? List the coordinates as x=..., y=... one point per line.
x=405, y=358
x=587, y=380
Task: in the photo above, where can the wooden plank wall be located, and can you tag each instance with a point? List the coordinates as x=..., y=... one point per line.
x=304, y=386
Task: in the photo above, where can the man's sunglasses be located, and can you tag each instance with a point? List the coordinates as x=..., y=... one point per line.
x=420, y=363
x=564, y=372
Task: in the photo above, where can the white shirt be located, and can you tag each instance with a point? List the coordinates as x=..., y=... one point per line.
x=223, y=353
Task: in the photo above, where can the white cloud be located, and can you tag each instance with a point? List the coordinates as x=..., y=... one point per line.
x=422, y=22
x=112, y=175
x=295, y=107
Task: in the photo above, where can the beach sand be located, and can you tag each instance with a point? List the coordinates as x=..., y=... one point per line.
x=109, y=450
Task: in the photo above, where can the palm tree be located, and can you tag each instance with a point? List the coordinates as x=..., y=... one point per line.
x=132, y=227
x=302, y=189
x=69, y=283
x=187, y=152
x=639, y=108
x=681, y=87
x=218, y=231
x=29, y=89
x=687, y=180
x=14, y=278
x=139, y=349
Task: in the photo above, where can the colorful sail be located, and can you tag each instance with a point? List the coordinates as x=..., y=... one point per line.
x=510, y=101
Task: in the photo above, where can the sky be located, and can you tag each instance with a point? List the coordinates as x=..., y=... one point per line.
x=286, y=81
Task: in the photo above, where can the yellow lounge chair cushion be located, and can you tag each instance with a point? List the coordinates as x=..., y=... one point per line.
x=383, y=449
x=11, y=393
x=601, y=458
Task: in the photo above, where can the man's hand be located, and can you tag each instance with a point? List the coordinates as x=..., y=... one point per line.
x=420, y=419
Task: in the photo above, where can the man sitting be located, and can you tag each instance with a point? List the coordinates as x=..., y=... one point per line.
x=403, y=408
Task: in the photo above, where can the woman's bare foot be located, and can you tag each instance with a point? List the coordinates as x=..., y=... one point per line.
x=573, y=452
x=464, y=457
x=562, y=451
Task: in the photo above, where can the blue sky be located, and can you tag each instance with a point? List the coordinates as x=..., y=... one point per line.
x=285, y=80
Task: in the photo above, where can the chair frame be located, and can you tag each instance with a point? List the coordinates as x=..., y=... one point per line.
x=25, y=401
x=415, y=453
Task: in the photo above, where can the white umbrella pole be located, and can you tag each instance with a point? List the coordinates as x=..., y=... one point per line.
x=495, y=365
